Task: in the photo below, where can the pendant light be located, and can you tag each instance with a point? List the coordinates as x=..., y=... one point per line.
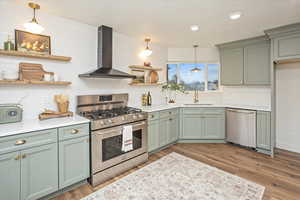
x=147, y=52
x=195, y=69
x=33, y=25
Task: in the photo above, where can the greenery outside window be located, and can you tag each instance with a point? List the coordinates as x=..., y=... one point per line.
x=207, y=79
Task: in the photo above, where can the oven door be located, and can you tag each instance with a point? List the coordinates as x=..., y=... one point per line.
x=107, y=145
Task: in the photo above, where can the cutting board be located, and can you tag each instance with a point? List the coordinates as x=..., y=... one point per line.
x=32, y=72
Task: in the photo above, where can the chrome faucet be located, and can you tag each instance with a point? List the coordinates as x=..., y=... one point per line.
x=196, y=95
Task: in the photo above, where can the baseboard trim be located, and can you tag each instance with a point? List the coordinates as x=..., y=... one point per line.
x=66, y=189
x=200, y=141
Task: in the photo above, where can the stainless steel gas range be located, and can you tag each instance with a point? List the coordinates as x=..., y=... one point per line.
x=108, y=115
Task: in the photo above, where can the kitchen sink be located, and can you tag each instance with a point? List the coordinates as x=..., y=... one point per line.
x=198, y=104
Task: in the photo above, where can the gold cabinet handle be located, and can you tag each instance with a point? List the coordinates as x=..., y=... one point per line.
x=24, y=156
x=17, y=157
x=170, y=119
x=152, y=116
x=170, y=113
x=74, y=131
x=20, y=142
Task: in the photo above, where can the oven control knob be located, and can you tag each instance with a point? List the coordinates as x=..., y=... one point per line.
x=134, y=116
x=110, y=121
x=123, y=119
x=101, y=123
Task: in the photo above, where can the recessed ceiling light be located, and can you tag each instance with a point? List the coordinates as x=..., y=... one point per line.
x=235, y=15
x=194, y=28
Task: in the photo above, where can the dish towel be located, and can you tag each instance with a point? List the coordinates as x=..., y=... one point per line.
x=127, y=139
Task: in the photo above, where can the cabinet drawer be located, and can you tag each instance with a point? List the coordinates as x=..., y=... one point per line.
x=153, y=116
x=73, y=131
x=26, y=140
x=207, y=111
x=167, y=113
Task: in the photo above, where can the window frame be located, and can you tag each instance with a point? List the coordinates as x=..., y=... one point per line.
x=205, y=75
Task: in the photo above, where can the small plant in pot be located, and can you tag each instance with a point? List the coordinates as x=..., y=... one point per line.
x=171, y=89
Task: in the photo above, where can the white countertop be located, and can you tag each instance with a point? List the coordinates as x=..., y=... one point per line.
x=36, y=125
x=169, y=106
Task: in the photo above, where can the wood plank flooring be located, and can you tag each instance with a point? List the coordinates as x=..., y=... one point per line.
x=280, y=175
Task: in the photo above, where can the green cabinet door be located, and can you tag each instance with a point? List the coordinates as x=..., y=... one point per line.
x=287, y=47
x=39, y=171
x=232, y=66
x=257, y=68
x=73, y=161
x=10, y=176
x=263, y=130
x=173, y=129
x=153, y=135
x=213, y=127
x=163, y=131
x=192, y=126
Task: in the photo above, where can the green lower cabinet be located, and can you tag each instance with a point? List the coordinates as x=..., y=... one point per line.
x=263, y=130
x=192, y=126
x=73, y=161
x=39, y=171
x=213, y=127
x=10, y=176
x=173, y=129
x=203, y=125
x=153, y=135
x=163, y=131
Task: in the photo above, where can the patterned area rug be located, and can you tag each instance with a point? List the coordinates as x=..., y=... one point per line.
x=178, y=177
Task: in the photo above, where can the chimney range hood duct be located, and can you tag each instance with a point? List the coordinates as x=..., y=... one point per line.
x=105, y=69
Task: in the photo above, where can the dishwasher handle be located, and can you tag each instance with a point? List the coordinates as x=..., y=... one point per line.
x=241, y=111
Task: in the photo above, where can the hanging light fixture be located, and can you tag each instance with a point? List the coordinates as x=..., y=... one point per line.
x=195, y=69
x=147, y=52
x=33, y=25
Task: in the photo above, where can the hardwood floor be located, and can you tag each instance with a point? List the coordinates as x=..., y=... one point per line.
x=280, y=175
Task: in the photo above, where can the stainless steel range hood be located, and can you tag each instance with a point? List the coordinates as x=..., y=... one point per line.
x=105, y=69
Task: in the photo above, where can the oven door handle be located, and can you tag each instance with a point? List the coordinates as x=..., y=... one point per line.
x=119, y=128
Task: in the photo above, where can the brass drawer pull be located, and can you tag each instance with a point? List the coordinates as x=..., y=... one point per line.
x=170, y=113
x=17, y=157
x=170, y=119
x=152, y=116
x=74, y=131
x=24, y=156
x=20, y=142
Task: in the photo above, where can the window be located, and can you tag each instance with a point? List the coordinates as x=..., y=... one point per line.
x=207, y=79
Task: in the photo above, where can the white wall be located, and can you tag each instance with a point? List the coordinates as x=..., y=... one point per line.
x=253, y=96
x=79, y=41
x=288, y=106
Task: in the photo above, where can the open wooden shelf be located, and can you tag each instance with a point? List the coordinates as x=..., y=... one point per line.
x=25, y=82
x=145, y=84
x=144, y=67
x=33, y=55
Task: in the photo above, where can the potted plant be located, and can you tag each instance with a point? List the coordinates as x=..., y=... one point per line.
x=171, y=89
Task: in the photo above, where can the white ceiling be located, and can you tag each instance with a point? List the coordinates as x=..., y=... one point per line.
x=168, y=21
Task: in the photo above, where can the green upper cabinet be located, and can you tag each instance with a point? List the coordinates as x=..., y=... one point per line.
x=257, y=64
x=285, y=42
x=246, y=62
x=263, y=133
x=39, y=171
x=73, y=161
x=10, y=165
x=232, y=66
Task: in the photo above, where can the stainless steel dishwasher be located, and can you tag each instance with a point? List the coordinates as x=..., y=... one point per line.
x=241, y=127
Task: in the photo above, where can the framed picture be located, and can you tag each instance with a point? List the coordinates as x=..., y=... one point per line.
x=32, y=43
